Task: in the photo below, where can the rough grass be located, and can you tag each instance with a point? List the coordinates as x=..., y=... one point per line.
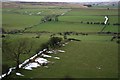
x=81, y=60
x=71, y=26
x=94, y=18
x=17, y=21
x=77, y=12
x=8, y=61
x=64, y=26
x=44, y=11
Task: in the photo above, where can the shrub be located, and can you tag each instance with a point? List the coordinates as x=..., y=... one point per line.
x=91, y=22
x=3, y=36
x=87, y=22
x=65, y=37
x=81, y=21
x=118, y=41
x=54, y=42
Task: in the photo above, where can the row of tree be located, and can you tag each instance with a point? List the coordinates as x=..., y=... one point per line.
x=102, y=23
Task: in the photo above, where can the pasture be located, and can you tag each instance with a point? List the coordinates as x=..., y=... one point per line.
x=94, y=56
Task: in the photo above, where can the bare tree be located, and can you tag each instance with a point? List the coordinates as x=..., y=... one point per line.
x=16, y=49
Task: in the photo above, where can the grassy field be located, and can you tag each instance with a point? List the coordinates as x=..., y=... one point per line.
x=77, y=12
x=78, y=27
x=16, y=21
x=64, y=26
x=81, y=59
x=38, y=12
x=88, y=18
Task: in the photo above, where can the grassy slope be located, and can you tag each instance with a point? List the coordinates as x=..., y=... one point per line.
x=81, y=62
x=80, y=58
x=66, y=26
x=63, y=26
x=77, y=12
x=16, y=21
x=36, y=44
x=112, y=19
x=43, y=11
x=78, y=15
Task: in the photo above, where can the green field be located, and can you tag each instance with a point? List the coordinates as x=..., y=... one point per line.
x=16, y=21
x=81, y=62
x=82, y=59
x=77, y=12
x=78, y=27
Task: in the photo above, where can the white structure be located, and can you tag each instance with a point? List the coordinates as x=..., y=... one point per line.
x=39, y=13
x=56, y=58
x=44, y=55
x=19, y=74
x=61, y=51
x=31, y=65
x=106, y=20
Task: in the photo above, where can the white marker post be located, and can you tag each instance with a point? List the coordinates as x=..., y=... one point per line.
x=105, y=22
